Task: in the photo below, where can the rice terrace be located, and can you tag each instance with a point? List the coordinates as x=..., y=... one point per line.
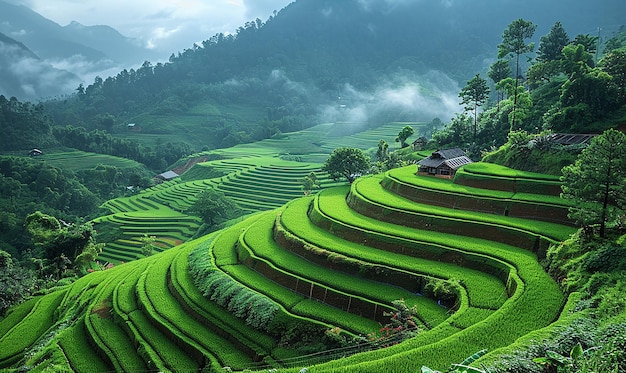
x=329, y=268
x=354, y=186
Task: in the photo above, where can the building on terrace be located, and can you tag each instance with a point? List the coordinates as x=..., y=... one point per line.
x=443, y=163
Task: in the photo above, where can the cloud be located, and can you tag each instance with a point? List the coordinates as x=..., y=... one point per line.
x=401, y=98
x=29, y=78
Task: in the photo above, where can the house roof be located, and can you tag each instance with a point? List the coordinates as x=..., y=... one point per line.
x=570, y=138
x=451, y=157
x=457, y=162
x=168, y=175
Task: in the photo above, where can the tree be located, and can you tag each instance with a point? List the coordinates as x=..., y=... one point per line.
x=213, y=207
x=590, y=43
x=597, y=180
x=404, y=134
x=614, y=64
x=474, y=95
x=309, y=182
x=499, y=70
x=552, y=44
x=349, y=163
x=148, y=245
x=514, y=43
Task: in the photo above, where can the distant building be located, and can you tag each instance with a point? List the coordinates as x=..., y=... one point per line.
x=166, y=176
x=420, y=143
x=443, y=163
x=35, y=152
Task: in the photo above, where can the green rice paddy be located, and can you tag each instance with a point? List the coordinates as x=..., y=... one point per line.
x=336, y=260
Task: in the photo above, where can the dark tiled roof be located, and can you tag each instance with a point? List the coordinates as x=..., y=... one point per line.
x=450, y=153
x=440, y=156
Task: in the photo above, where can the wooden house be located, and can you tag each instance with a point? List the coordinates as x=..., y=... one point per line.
x=443, y=163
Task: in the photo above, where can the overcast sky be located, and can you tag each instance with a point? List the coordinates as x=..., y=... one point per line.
x=165, y=25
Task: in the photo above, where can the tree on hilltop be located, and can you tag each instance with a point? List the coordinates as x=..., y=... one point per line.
x=597, y=181
x=405, y=133
x=348, y=163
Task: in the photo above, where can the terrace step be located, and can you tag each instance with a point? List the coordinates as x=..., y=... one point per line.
x=444, y=193
x=408, y=255
x=369, y=198
x=226, y=259
x=169, y=316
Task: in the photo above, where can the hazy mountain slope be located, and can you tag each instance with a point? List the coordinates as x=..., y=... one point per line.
x=24, y=75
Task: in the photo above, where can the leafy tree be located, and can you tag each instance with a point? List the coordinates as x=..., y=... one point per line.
x=514, y=43
x=404, y=134
x=597, y=180
x=382, y=153
x=213, y=207
x=348, y=163
x=552, y=44
x=148, y=245
x=309, y=182
x=499, y=70
x=614, y=64
x=543, y=72
x=590, y=43
x=456, y=133
x=474, y=95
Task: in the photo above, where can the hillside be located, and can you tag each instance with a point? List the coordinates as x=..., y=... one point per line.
x=313, y=62
x=366, y=246
x=235, y=260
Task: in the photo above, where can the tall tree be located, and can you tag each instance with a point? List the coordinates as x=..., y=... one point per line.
x=474, y=95
x=499, y=70
x=404, y=134
x=348, y=163
x=514, y=44
x=552, y=44
x=597, y=180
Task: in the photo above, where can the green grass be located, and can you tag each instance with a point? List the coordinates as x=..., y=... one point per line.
x=25, y=333
x=76, y=160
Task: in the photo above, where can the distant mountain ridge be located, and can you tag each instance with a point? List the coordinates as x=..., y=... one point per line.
x=81, y=50
x=49, y=40
x=25, y=76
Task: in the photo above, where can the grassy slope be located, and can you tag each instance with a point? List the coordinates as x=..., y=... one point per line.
x=143, y=293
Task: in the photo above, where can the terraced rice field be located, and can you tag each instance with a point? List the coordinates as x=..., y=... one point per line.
x=253, y=183
x=336, y=259
x=77, y=160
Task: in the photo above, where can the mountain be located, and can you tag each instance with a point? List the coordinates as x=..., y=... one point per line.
x=83, y=50
x=26, y=76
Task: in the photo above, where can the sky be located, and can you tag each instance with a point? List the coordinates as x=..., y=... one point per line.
x=163, y=25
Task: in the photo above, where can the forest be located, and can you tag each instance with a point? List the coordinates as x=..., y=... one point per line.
x=264, y=92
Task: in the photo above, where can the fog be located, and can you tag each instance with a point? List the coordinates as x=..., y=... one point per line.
x=400, y=98
x=29, y=78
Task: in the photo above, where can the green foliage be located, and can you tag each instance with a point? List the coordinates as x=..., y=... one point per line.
x=534, y=153
x=404, y=134
x=213, y=207
x=596, y=181
x=474, y=95
x=552, y=44
x=348, y=163
x=309, y=183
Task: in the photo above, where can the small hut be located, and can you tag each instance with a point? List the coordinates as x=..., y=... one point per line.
x=443, y=163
